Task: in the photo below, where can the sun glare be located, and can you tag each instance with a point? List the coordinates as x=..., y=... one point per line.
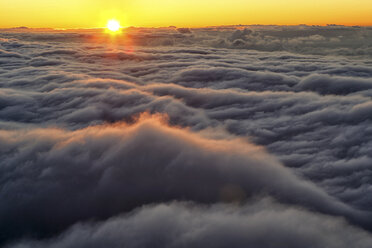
x=113, y=25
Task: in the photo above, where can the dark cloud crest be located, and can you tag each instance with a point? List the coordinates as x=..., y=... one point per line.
x=6, y=54
x=323, y=84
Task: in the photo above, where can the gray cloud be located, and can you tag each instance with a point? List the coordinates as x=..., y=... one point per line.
x=263, y=223
x=324, y=84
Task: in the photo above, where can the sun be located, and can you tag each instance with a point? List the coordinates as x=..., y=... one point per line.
x=113, y=25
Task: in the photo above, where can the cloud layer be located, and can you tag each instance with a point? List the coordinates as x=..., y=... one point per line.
x=248, y=133
x=175, y=225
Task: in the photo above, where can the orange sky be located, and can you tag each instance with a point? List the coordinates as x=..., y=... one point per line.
x=186, y=13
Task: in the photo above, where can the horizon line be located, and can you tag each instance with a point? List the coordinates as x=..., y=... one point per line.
x=190, y=27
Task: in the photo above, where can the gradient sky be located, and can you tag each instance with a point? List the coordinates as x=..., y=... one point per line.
x=192, y=13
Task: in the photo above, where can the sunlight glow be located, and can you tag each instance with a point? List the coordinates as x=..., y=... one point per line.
x=113, y=25
x=181, y=13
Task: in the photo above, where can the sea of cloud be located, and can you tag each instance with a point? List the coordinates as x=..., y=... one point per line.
x=236, y=136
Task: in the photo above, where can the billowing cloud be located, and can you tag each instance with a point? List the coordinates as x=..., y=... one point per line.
x=250, y=112
x=71, y=176
x=262, y=223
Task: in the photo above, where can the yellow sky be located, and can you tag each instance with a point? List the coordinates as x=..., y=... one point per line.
x=186, y=13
